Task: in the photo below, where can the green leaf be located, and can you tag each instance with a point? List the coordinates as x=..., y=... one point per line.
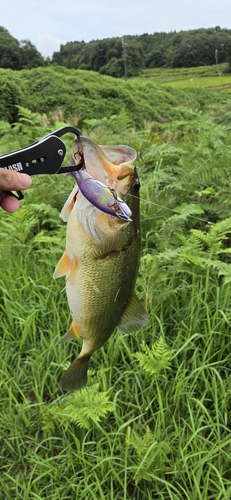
x=155, y=359
x=81, y=408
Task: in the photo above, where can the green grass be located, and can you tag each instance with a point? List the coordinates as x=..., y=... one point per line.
x=181, y=415
x=190, y=78
x=202, y=82
x=154, y=422
x=162, y=74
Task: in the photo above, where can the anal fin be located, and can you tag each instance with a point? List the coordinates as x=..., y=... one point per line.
x=71, y=334
x=134, y=316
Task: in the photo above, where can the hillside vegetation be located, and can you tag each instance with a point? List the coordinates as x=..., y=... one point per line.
x=82, y=95
x=154, y=422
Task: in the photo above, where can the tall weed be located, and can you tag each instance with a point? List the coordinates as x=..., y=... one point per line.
x=154, y=422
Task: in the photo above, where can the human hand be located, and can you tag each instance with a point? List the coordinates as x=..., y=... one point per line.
x=12, y=181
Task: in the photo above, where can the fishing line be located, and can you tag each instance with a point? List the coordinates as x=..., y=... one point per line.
x=170, y=209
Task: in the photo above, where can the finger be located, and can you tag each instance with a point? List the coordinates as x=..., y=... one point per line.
x=9, y=203
x=10, y=180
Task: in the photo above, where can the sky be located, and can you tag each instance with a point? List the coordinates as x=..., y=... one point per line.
x=48, y=24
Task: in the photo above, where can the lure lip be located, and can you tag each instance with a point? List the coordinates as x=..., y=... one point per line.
x=101, y=196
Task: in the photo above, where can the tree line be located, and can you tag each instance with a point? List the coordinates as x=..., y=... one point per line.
x=114, y=56
x=192, y=48
x=18, y=55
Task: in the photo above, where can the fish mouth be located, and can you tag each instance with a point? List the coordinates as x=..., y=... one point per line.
x=111, y=165
x=105, y=176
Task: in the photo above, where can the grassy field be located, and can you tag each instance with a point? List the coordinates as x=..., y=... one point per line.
x=222, y=82
x=161, y=74
x=191, y=78
x=154, y=422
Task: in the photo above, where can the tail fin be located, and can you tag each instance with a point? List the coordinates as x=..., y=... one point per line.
x=75, y=377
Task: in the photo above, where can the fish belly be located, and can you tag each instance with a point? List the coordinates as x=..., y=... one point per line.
x=98, y=292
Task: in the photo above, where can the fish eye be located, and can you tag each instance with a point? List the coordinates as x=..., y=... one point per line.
x=136, y=185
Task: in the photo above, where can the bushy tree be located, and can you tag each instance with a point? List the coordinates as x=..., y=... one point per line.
x=114, y=67
x=104, y=56
x=70, y=55
x=156, y=59
x=135, y=57
x=30, y=56
x=18, y=55
x=199, y=49
x=10, y=54
x=228, y=54
x=9, y=98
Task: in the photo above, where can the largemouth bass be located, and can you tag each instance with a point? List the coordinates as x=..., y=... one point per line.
x=101, y=259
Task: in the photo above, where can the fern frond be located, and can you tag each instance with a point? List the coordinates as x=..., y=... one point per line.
x=28, y=117
x=155, y=359
x=81, y=407
x=151, y=453
x=222, y=268
x=114, y=124
x=141, y=443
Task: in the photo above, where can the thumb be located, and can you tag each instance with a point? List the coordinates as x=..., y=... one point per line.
x=10, y=180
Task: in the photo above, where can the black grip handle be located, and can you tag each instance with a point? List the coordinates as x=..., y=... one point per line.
x=43, y=157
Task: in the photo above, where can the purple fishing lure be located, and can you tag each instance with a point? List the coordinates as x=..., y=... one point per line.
x=102, y=196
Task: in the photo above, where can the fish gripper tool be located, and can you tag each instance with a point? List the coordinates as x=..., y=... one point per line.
x=42, y=157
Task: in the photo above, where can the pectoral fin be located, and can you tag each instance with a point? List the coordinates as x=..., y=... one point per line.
x=67, y=207
x=134, y=316
x=63, y=267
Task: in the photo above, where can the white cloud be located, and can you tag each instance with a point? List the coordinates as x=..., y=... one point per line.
x=47, y=44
